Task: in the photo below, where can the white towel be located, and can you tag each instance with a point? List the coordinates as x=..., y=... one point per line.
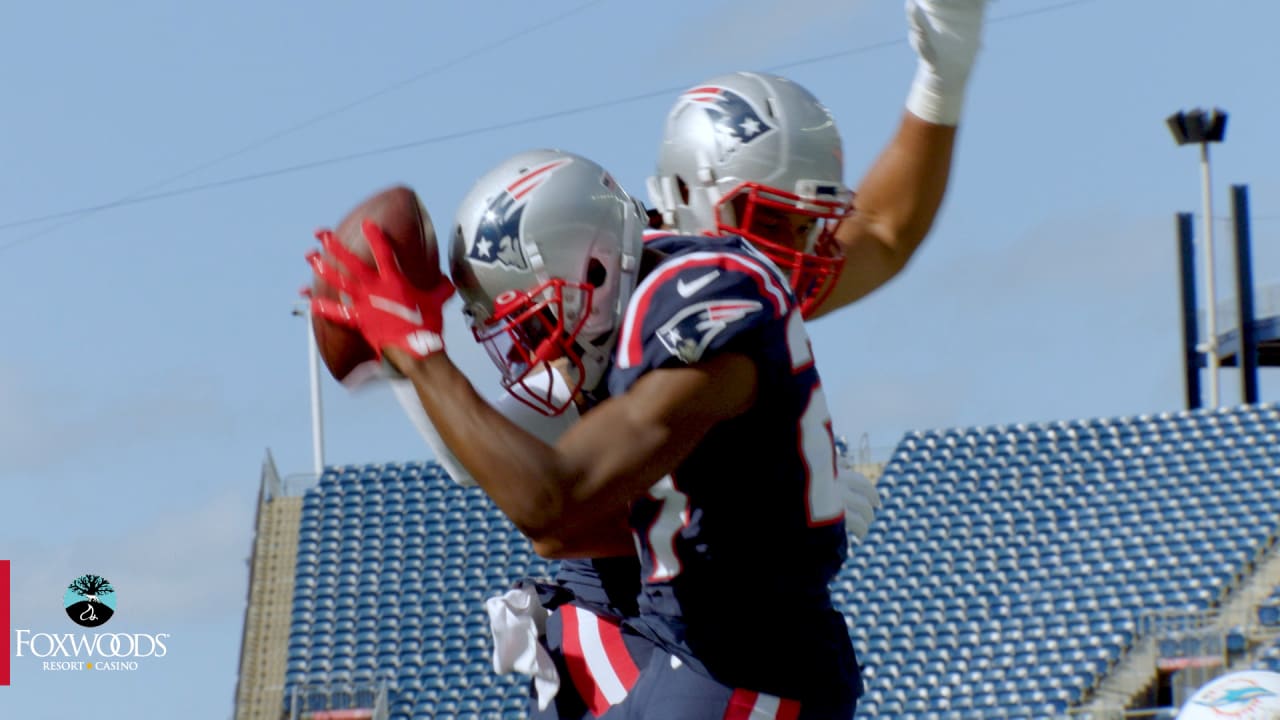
x=517, y=621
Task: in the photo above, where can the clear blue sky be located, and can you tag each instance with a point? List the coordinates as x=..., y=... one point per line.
x=148, y=358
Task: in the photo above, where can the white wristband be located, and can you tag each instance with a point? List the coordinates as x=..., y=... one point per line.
x=931, y=101
x=946, y=35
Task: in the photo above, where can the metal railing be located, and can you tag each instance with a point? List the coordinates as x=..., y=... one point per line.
x=1266, y=303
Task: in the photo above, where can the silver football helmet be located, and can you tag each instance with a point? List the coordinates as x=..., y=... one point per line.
x=757, y=155
x=545, y=253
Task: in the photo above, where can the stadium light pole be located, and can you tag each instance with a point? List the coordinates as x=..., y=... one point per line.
x=317, y=415
x=1202, y=127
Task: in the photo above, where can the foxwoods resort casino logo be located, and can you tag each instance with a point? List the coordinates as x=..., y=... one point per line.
x=89, y=601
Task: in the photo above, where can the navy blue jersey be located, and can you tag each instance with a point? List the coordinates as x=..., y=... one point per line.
x=609, y=587
x=737, y=546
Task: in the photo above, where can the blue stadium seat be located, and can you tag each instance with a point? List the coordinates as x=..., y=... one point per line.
x=1062, y=514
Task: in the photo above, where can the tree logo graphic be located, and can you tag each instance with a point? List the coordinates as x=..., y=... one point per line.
x=90, y=600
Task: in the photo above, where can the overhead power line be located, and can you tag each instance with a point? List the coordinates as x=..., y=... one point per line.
x=145, y=197
x=147, y=191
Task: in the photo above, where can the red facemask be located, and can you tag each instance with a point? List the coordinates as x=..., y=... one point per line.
x=529, y=331
x=764, y=217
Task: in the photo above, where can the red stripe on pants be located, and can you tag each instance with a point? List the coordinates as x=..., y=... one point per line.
x=577, y=664
x=741, y=703
x=616, y=648
x=742, y=706
x=788, y=709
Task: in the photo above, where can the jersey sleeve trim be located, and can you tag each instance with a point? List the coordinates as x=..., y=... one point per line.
x=651, y=235
x=631, y=340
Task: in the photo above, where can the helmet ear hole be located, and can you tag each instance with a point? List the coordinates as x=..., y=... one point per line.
x=596, y=273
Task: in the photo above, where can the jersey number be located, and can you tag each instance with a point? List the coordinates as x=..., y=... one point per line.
x=671, y=517
x=817, y=441
x=824, y=504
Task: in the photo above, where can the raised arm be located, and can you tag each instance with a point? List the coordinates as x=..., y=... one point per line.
x=898, y=198
x=893, y=209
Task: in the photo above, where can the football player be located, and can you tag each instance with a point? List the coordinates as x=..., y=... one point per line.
x=708, y=449
x=758, y=156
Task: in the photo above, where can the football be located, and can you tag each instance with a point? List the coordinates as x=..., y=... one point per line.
x=407, y=226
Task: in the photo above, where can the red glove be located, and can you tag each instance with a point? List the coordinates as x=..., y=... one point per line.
x=380, y=302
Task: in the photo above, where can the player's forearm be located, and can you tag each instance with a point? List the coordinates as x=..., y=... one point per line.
x=894, y=209
x=524, y=476
x=606, y=535
x=592, y=534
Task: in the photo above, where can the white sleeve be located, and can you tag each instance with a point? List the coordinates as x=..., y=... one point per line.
x=547, y=429
x=861, y=499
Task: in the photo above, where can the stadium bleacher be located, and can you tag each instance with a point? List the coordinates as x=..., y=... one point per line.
x=1007, y=573
x=1011, y=566
x=394, y=562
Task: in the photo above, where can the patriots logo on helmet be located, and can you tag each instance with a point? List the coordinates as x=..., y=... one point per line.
x=687, y=334
x=497, y=238
x=736, y=121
